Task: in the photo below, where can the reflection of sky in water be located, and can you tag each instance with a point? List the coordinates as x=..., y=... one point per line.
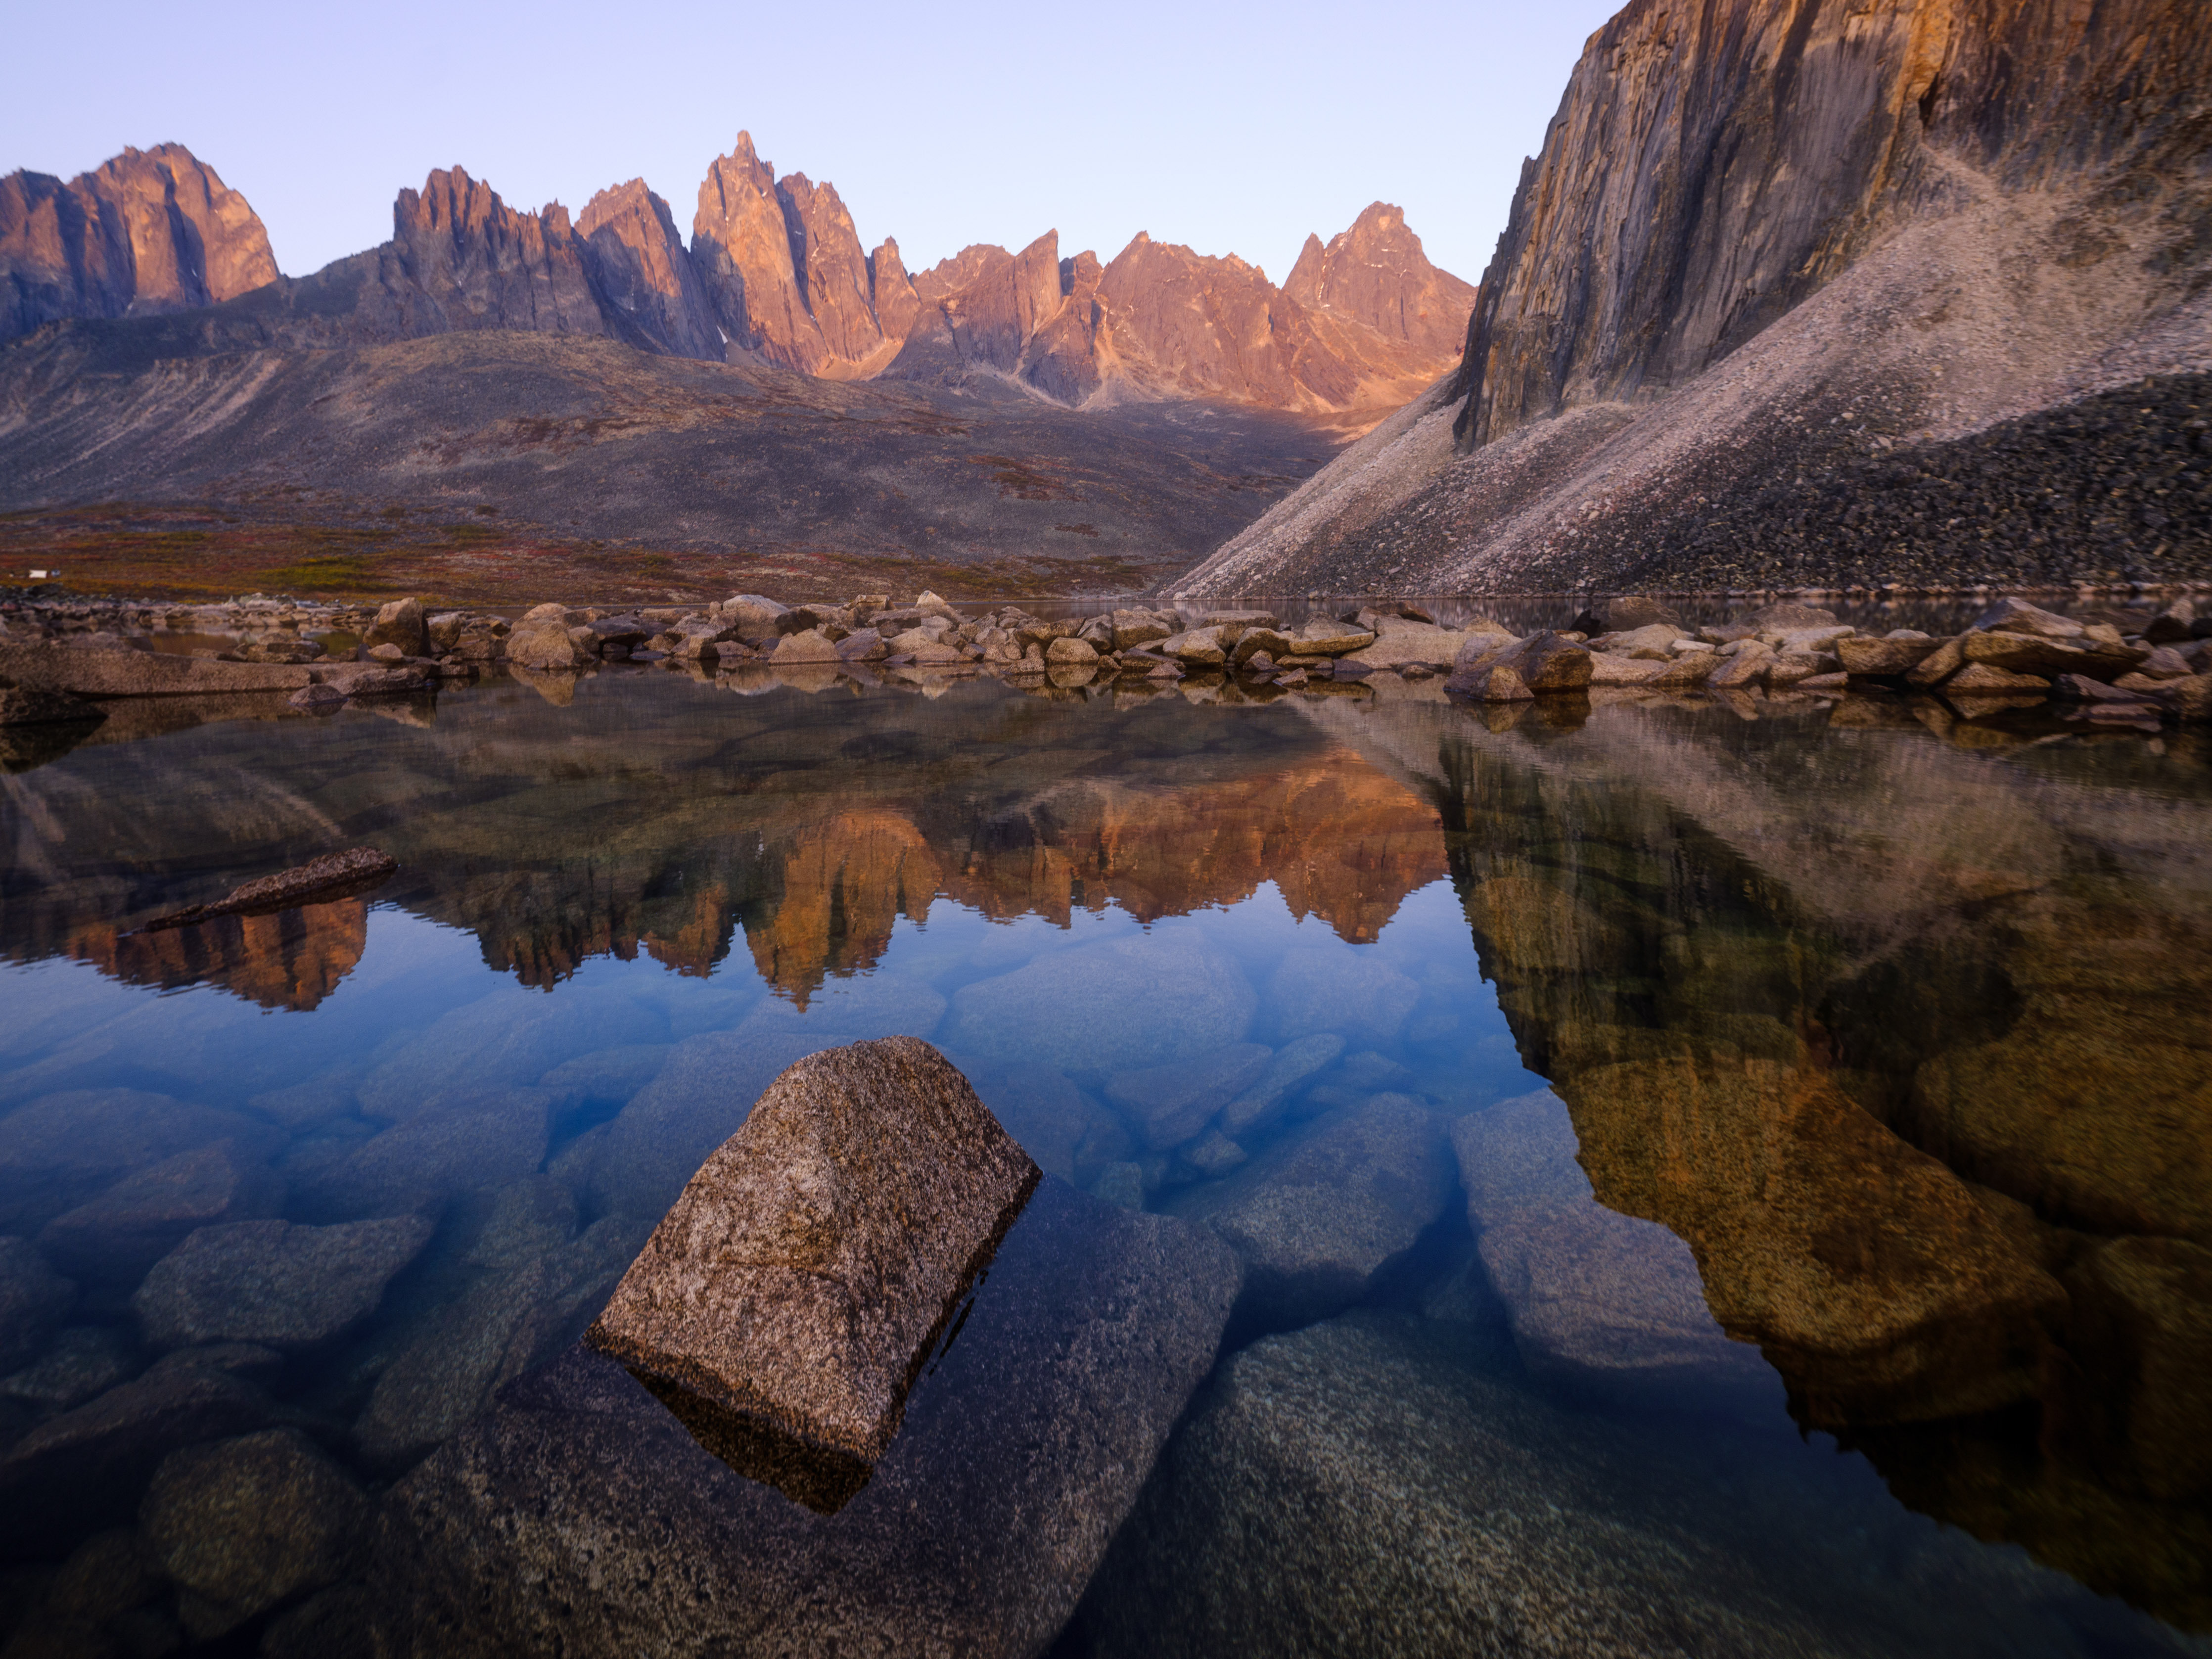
x=547, y=1130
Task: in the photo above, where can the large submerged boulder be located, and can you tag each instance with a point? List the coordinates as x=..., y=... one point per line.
x=783, y=1307
x=577, y=1514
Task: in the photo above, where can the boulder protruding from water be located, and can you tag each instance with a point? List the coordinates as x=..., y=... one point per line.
x=783, y=1308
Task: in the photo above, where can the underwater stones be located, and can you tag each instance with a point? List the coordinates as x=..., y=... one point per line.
x=32, y=1297
x=782, y=1307
x=61, y=1149
x=2142, y=1317
x=23, y=708
x=1343, y=991
x=460, y=1143
x=274, y=1282
x=1170, y=1105
x=509, y=1038
x=1057, y=1122
x=84, y=1467
x=243, y=1524
x=1606, y=1304
x=80, y=1364
x=1315, y=1217
x=577, y=1514
x=1355, y=1487
x=125, y=1229
x=1293, y=1063
x=1107, y=1007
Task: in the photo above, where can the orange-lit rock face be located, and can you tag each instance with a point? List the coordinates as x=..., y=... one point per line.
x=290, y=960
x=845, y=882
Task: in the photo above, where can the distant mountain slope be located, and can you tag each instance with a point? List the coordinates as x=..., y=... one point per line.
x=1800, y=291
x=151, y=231
x=569, y=442
x=775, y=275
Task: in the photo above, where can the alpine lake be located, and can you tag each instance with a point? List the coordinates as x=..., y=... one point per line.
x=1615, y=1175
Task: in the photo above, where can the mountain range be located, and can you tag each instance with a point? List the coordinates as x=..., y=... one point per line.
x=775, y=275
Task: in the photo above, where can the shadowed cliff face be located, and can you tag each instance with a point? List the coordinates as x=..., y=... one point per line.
x=151, y=230
x=1766, y=244
x=642, y=277
x=1911, y=1045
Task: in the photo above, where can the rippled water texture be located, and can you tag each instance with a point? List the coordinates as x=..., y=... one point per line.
x=1634, y=1180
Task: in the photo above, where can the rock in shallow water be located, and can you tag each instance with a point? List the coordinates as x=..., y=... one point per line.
x=274, y=1282
x=782, y=1307
x=1110, y=1006
x=33, y=1296
x=578, y=1515
x=1316, y=1219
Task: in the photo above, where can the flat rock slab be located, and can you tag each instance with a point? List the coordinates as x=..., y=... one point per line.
x=274, y=1282
x=578, y=1517
x=783, y=1307
x=319, y=881
x=37, y=666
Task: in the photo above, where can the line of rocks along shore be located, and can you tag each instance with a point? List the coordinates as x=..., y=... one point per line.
x=2144, y=665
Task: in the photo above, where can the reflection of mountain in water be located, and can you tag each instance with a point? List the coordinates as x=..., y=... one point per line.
x=293, y=959
x=669, y=820
x=1913, y=1045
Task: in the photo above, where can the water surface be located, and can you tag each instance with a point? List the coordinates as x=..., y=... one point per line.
x=1765, y=1162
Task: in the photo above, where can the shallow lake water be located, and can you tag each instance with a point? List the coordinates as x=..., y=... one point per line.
x=1625, y=1178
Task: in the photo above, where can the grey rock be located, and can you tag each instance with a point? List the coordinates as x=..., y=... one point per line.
x=578, y=1515
x=116, y=1236
x=1057, y=1124
x=1355, y=1488
x=319, y=881
x=1168, y=1105
x=82, y=1362
x=1122, y=1183
x=1106, y=1007
x=462, y=1144
x=1344, y=991
x=1315, y=1217
x=33, y=1298
x=1294, y=1062
x=510, y=1038
x=531, y=1304
x=243, y=1524
x=86, y=1467
x=1601, y=1304
x=636, y=1163
x=60, y=1150
x=783, y=1306
x=274, y=1282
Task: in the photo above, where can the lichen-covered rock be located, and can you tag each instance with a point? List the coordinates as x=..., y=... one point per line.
x=782, y=1308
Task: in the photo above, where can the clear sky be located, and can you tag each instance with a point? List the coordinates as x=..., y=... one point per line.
x=1234, y=129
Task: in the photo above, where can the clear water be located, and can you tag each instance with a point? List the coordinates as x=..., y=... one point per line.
x=1877, y=1042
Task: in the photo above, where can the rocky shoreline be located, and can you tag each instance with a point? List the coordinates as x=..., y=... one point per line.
x=2141, y=664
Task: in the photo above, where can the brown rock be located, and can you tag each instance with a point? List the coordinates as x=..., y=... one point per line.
x=153, y=230
x=1939, y=664
x=1197, y=648
x=1490, y=682
x=400, y=623
x=35, y=666
x=1069, y=653
x=863, y=645
x=806, y=647
x=1621, y=615
x=782, y=1307
x=321, y=880
x=2030, y=653
x=19, y=708
x=1323, y=638
x=2019, y=616
x=644, y=280
x=1883, y=659
x=2142, y=1325
x=1987, y=680
x=541, y=641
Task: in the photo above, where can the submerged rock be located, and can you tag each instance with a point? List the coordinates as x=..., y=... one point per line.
x=243, y=1524
x=1316, y=1219
x=32, y=1297
x=1605, y=1305
x=1170, y=1105
x=782, y=1308
x=83, y=1362
x=22, y=708
x=577, y=1514
x=274, y=1282
x=1107, y=1007
x=117, y=1236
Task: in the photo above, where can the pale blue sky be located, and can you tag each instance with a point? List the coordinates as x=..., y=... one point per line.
x=1233, y=128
